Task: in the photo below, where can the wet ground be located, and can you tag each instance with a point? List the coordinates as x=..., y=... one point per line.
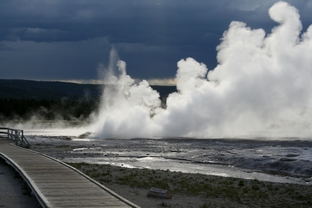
x=14, y=192
x=286, y=161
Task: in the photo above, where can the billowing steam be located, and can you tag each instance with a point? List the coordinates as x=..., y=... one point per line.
x=262, y=86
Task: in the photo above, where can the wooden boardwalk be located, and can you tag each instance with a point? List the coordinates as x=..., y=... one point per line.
x=56, y=184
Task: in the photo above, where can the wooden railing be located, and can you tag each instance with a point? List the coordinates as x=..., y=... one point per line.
x=14, y=134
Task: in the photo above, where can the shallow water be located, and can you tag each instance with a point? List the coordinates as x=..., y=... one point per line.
x=285, y=161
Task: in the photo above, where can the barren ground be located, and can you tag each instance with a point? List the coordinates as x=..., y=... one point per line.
x=188, y=190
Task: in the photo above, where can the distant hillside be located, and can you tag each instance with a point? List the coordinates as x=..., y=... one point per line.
x=25, y=89
x=164, y=91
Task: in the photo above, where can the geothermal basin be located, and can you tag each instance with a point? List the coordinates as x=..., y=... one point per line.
x=286, y=160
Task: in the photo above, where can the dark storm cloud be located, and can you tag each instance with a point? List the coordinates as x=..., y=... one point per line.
x=151, y=36
x=122, y=21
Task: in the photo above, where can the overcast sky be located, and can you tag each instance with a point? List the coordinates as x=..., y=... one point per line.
x=68, y=39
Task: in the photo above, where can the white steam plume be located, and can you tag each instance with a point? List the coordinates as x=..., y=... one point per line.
x=262, y=86
x=126, y=109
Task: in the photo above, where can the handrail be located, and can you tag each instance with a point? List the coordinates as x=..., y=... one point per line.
x=14, y=134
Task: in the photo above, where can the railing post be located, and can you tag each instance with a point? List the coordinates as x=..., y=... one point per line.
x=16, y=135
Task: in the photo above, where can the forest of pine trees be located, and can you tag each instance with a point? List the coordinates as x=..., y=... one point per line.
x=45, y=109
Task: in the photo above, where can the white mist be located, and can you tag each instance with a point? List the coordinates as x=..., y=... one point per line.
x=261, y=87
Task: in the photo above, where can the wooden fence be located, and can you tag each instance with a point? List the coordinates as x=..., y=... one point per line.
x=16, y=135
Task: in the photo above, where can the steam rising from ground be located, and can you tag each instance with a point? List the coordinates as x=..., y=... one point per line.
x=261, y=87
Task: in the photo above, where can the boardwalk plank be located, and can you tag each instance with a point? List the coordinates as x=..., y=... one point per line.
x=57, y=185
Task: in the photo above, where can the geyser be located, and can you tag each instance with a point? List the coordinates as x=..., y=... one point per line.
x=260, y=87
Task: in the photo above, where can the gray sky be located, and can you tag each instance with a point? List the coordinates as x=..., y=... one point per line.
x=67, y=40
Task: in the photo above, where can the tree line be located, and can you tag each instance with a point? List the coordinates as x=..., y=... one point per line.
x=46, y=109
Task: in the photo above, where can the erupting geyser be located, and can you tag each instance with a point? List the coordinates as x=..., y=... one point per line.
x=262, y=86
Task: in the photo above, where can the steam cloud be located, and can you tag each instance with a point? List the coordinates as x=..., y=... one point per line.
x=262, y=86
